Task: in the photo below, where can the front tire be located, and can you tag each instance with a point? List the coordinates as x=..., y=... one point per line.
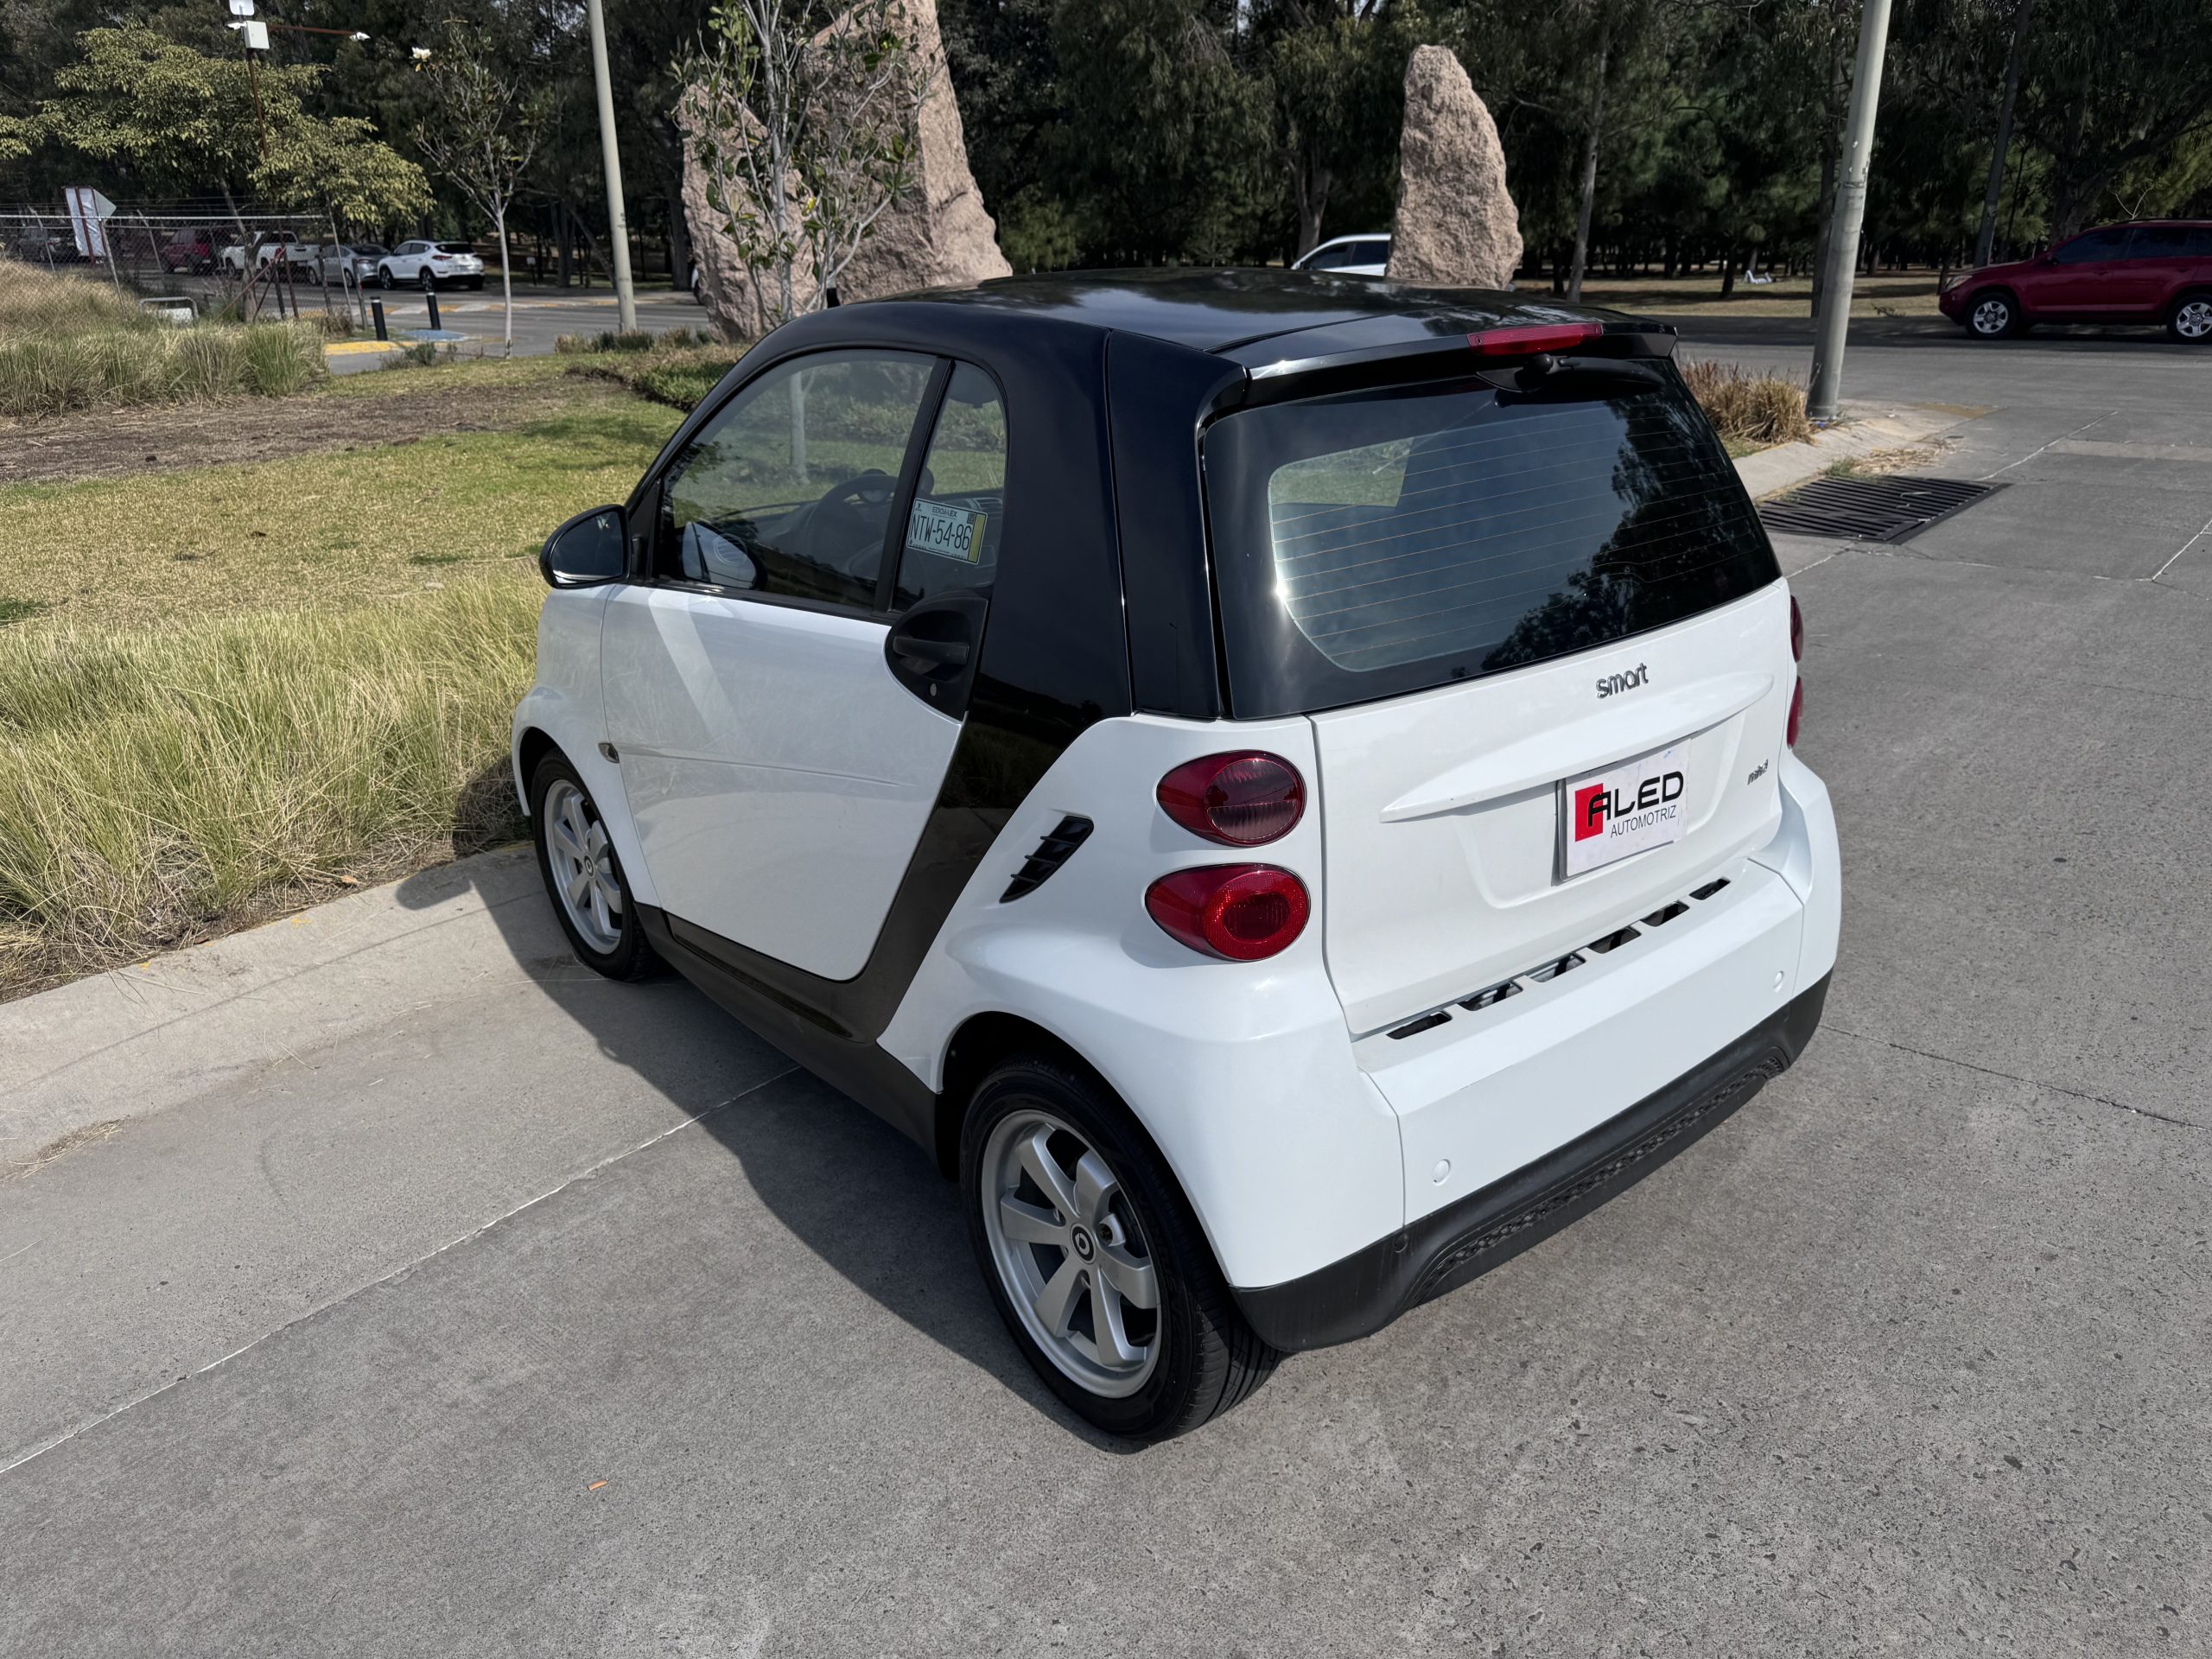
x=583, y=876
x=1095, y=1258
x=1993, y=316
x=2190, y=321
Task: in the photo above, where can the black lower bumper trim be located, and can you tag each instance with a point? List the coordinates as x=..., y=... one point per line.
x=1366, y=1290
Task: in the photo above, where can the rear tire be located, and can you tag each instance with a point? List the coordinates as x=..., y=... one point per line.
x=383, y=278
x=1994, y=315
x=2189, y=322
x=1062, y=1189
x=583, y=876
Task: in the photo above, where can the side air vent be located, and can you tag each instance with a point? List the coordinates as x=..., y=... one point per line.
x=1051, y=852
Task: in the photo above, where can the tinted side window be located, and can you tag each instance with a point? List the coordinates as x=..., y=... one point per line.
x=1374, y=253
x=789, y=490
x=1333, y=258
x=959, y=512
x=2159, y=242
x=2097, y=245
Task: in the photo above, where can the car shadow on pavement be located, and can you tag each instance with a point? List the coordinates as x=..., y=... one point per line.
x=863, y=1198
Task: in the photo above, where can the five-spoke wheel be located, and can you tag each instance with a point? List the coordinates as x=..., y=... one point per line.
x=2191, y=320
x=1993, y=316
x=1071, y=1254
x=1093, y=1255
x=583, y=873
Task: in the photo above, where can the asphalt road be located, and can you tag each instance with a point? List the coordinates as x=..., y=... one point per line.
x=542, y=316
x=455, y=1302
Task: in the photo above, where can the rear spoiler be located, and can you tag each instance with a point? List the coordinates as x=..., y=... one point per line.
x=1277, y=369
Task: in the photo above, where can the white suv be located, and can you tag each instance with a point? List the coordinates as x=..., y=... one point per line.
x=1284, y=791
x=426, y=264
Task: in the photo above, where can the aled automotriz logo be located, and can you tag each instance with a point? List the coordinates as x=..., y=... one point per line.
x=1595, y=806
x=1615, y=682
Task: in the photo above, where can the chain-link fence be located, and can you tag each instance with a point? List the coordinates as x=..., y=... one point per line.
x=243, y=267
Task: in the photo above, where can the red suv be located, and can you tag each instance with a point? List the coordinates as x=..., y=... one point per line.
x=2155, y=270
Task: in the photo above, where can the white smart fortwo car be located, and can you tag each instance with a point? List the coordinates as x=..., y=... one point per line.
x=1282, y=786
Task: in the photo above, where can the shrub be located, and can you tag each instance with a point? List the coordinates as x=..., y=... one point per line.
x=163, y=783
x=106, y=368
x=678, y=378
x=1763, y=408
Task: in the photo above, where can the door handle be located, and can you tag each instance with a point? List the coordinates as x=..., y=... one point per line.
x=951, y=653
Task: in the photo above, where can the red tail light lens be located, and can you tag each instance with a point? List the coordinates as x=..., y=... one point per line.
x=1796, y=630
x=1239, y=800
x=1531, y=339
x=1240, y=912
x=1796, y=713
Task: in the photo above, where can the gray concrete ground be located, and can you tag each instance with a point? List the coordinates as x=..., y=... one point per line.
x=454, y=1302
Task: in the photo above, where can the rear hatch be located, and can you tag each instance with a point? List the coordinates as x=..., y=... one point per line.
x=1544, y=645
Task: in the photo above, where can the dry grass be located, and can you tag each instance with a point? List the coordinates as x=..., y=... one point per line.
x=165, y=785
x=316, y=532
x=228, y=690
x=34, y=302
x=1747, y=409
x=1888, y=294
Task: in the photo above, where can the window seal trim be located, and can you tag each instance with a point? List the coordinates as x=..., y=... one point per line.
x=910, y=473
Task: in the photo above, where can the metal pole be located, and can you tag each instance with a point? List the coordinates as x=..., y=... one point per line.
x=626, y=298
x=1826, y=393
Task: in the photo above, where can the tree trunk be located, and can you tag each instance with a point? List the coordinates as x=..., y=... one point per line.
x=1311, y=185
x=506, y=276
x=1590, y=166
x=2015, y=62
x=679, y=238
x=1728, y=275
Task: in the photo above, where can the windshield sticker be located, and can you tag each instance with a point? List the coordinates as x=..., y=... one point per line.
x=947, y=531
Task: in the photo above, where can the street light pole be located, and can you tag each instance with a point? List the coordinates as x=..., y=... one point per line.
x=1826, y=393
x=626, y=297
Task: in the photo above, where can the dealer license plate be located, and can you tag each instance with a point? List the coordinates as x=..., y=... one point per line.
x=951, y=533
x=1626, y=809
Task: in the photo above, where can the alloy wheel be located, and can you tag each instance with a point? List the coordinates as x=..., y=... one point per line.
x=1069, y=1253
x=1992, y=317
x=2194, y=319
x=582, y=861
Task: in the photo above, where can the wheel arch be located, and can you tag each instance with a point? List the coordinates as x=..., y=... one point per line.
x=532, y=744
x=982, y=1041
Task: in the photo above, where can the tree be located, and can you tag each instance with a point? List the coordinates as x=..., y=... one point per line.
x=481, y=134
x=805, y=141
x=178, y=122
x=1336, y=72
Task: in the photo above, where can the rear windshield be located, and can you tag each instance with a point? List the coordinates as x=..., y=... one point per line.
x=1389, y=540
x=457, y=247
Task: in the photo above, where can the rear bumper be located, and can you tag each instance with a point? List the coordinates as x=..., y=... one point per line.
x=1364, y=1291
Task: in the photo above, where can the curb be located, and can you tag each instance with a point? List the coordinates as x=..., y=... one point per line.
x=1862, y=430
x=137, y=1041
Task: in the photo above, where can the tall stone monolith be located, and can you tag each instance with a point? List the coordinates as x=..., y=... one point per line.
x=1457, y=226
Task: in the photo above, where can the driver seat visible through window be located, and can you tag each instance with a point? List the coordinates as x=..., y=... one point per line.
x=788, y=492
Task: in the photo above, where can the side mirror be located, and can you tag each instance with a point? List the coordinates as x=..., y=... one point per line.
x=586, y=550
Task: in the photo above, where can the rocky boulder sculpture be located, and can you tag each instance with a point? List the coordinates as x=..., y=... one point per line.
x=936, y=235
x=1457, y=226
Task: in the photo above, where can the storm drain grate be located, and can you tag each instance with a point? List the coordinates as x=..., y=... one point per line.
x=1888, y=509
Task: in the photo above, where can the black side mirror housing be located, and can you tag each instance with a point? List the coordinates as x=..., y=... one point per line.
x=586, y=551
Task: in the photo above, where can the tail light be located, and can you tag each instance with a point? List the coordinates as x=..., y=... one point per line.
x=1239, y=912
x=1239, y=800
x=1530, y=339
x=1796, y=713
x=1796, y=630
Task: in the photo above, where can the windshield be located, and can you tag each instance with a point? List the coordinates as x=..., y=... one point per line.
x=1389, y=541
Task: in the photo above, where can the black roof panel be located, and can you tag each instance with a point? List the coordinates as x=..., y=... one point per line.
x=1215, y=310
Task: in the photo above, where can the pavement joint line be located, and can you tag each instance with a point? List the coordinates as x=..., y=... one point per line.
x=474, y=1234
x=2184, y=548
x=2061, y=438
x=2013, y=1076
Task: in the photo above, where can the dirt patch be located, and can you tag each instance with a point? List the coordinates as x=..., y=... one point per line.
x=121, y=443
x=1906, y=458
